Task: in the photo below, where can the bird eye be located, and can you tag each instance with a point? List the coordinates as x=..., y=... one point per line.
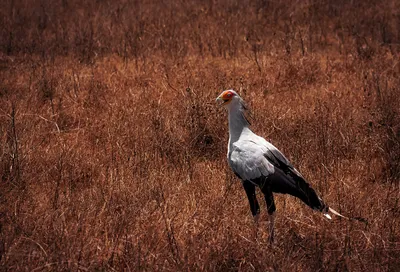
x=229, y=94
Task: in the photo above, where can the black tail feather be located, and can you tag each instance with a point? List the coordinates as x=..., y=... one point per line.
x=295, y=185
x=290, y=182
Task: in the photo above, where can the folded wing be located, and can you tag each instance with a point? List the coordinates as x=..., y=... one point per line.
x=259, y=161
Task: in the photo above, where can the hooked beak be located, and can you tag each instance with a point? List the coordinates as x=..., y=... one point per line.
x=221, y=101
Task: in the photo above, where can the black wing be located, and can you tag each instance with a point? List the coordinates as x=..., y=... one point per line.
x=287, y=180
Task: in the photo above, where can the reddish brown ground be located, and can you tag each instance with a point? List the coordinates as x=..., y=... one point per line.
x=113, y=152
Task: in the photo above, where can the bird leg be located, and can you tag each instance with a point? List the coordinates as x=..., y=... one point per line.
x=269, y=198
x=271, y=228
x=256, y=225
x=250, y=189
x=254, y=207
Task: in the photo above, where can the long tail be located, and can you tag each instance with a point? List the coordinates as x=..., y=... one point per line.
x=327, y=215
x=338, y=214
x=311, y=198
x=294, y=184
x=345, y=217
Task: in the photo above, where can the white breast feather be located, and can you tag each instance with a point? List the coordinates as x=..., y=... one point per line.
x=248, y=161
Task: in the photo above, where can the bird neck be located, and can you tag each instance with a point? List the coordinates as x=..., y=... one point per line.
x=237, y=123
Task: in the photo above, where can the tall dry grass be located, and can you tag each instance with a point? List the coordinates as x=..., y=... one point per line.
x=113, y=151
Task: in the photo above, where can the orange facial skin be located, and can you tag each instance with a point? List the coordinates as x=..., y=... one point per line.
x=226, y=97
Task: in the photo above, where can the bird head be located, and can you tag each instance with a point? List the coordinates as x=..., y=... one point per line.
x=233, y=102
x=227, y=97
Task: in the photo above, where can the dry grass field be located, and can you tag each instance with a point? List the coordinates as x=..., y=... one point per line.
x=113, y=150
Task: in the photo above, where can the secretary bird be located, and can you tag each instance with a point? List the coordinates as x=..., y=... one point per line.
x=258, y=163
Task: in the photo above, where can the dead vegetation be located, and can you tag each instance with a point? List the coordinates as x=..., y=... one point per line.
x=113, y=152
